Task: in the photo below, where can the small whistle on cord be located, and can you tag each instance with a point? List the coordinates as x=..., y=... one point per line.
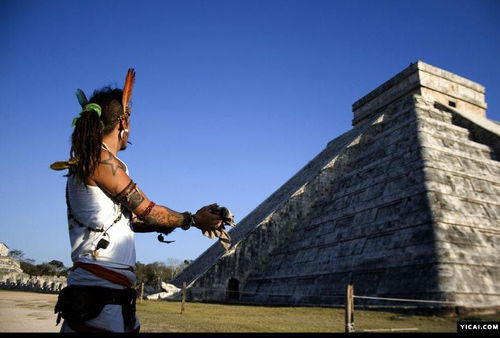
x=162, y=239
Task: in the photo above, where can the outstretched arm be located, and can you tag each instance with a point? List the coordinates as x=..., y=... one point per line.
x=110, y=176
x=141, y=226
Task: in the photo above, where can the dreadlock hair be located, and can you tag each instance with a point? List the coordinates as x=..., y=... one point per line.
x=86, y=139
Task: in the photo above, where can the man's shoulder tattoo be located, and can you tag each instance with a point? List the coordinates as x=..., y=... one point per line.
x=113, y=163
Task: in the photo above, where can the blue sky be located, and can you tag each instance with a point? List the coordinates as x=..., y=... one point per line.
x=232, y=97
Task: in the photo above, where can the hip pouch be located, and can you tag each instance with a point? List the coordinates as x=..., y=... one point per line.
x=77, y=304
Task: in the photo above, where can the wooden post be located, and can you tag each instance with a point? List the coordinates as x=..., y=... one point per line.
x=349, y=309
x=183, y=296
x=142, y=292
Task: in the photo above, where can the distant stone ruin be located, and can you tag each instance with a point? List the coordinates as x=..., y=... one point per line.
x=25, y=282
x=404, y=205
x=12, y=276
x=168, y=292
x=7, y=263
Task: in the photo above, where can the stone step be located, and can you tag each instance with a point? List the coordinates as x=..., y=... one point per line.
x=462, y=148
x=443, y=158
x=440, y=122
x=455, y=182
x=442, y=128
x=330, y=234
x=433, y=113
x=451, y=136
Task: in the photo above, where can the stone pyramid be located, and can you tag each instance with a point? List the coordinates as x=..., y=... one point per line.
x=404, y=205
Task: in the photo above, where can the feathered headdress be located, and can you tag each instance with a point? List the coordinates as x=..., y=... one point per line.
x=82, y=99
x=127, y=90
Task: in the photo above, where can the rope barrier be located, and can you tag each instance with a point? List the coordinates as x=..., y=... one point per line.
x=193, y=288
x=391, y=330
x=348, y=304
x=406, y=300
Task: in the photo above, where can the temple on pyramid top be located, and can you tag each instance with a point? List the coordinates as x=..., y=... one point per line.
x=428, y=81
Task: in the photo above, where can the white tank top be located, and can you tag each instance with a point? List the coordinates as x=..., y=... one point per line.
x=94, y=209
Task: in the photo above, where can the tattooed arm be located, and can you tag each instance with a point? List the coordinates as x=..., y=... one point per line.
x=110, y=175
x=140, y=226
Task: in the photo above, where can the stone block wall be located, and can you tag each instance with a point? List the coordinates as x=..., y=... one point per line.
x=9, y=264
x=462, y=178
x=4, y=250
x=24, y=282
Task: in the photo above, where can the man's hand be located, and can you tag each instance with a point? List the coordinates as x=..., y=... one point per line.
x=205, y=220
x=225, y=217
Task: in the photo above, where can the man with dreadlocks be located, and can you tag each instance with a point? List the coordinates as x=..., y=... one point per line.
x=105, y=208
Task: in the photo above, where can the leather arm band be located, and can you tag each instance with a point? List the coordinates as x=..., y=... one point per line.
x=123, y=194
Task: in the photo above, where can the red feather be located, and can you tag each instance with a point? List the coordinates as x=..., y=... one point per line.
x=127, y=88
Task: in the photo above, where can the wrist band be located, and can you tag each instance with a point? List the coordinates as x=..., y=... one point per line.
x=189, y=220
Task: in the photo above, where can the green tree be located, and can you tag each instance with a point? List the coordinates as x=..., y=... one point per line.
x=45, y=269
x=52, y=268
x=153, y=273
x=29, y=268
x=60, y=269
x=57, y=264
x=16, y=254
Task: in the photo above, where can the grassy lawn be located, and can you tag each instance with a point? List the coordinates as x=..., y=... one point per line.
x=159, y=316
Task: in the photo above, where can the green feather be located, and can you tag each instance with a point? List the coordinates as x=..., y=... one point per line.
x=82, y=99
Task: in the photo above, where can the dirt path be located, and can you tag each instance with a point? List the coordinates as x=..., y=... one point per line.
x=27, y=312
